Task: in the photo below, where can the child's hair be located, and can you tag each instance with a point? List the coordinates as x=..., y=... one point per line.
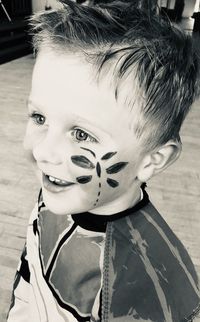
x=148, y=51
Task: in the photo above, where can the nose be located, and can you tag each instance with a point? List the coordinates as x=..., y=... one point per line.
x=51, y=149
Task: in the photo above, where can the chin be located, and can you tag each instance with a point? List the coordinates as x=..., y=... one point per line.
x=61, y=205
x=57, y=209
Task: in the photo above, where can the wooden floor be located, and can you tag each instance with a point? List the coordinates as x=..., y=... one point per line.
x=176, y=193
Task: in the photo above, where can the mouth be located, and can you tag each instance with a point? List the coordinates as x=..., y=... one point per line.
x=54, y=184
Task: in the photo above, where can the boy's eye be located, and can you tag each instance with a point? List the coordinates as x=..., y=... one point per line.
x=81, y=135
x=38, y=118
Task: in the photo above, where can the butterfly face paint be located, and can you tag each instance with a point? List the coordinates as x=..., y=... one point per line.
x=83, y=162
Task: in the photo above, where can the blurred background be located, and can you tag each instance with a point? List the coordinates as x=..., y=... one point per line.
x=175, y=193
x=14, y=41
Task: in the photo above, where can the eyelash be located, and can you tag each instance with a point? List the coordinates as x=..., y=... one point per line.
x=89, y=138
x=34, y=116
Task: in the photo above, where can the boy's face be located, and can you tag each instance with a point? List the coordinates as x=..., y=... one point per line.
x=79, y=139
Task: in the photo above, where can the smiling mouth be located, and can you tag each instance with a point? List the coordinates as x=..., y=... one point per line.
x=54, y=184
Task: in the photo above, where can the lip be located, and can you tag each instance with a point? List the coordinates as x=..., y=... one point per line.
x=48, y=185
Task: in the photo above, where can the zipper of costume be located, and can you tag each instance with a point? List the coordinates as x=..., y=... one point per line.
x=106, y=272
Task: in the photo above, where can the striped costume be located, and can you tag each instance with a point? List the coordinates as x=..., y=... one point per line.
x=120, y=268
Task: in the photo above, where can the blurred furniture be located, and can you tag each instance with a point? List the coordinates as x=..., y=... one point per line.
x=173, y=12
x=14, y=39
x=196, y=17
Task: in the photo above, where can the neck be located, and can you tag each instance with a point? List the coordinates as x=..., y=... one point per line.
x=120, y=204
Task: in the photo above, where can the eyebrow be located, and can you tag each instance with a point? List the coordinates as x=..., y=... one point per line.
x=33, y=104
x=76, y=117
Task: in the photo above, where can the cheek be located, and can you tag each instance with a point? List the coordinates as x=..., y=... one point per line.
x=86, y=178
x=33, y=136
x=31, y=139
x=101, y=178
x=28, y=145
x=112, y=184
x=118, y=178
x=114, y=187
x=88, y=185
x=86, y=171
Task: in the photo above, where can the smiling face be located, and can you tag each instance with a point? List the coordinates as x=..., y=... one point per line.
x=79, y=139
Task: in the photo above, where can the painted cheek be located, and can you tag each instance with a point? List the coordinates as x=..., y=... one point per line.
x=113, y=169
x=82, y=167
x=98, y=173
x=88, y=174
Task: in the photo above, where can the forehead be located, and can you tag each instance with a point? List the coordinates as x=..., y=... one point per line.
x=66, y=85
x=66, y=72
x=69, y=82
x=68, y=79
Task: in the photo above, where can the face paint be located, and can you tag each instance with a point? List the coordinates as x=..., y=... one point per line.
x=116, y=167
x=83, y=162
x=84, y=179
x=98, y=169
x=108, y=155
x=94, y=155
x=112, y=183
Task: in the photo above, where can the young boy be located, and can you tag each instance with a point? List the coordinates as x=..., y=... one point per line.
x=111, y=88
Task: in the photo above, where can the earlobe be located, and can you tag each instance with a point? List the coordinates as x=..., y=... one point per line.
x=159, y=160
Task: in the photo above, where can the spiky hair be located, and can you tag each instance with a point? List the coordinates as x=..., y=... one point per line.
x=141, y=48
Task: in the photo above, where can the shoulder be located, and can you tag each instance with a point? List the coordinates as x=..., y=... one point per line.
x=157, y=264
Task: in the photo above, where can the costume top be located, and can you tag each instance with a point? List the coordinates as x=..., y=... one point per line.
x=125, y=267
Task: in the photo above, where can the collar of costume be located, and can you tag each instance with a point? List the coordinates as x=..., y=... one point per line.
x=95, y=222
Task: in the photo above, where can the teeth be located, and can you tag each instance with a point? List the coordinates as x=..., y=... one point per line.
x=52, y=179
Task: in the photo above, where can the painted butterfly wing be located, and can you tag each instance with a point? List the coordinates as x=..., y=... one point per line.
x=82, y=161
x=108, y=155
x=112, y=183
x=84, y=179
x=115, y=168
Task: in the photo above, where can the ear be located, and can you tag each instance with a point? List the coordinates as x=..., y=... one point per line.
x=159, y=160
